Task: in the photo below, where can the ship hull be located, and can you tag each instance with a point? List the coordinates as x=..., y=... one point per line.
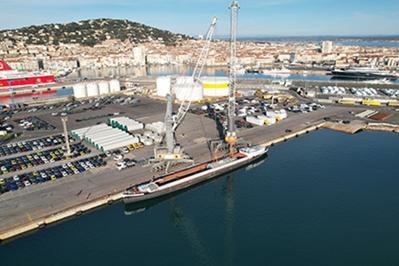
x=339, y=75
x=26, y=81
x=208, y=175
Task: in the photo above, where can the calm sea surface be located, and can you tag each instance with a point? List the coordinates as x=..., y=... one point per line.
x=323, y=199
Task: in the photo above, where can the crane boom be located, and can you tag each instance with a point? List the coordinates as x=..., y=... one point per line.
x=204, y=51
x=199, y=66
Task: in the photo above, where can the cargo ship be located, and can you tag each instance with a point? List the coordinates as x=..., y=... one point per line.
x=191, y=176
x=362, y=74
x=10, y=79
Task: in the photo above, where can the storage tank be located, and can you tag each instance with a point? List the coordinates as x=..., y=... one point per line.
x=193, y=92
x=115, y=86
x=92, y=89
x=103, y=88
x=215, y=86
x=79, y=90
x=184, y=80
x=163, y=86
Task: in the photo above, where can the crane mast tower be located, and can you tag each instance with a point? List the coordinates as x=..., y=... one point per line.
x=231, y=135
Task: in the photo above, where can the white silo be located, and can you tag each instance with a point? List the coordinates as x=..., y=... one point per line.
x=103, y=88
x=189, y=91
x=92, y=89
x=79, y=90
x=163, y=86
x=215, y=86
x=184, y=80
x=115, y=86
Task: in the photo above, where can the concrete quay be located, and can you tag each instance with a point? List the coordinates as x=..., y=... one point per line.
x=37, y=207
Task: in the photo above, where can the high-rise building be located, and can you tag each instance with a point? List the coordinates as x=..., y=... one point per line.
x=327, y=47
x=139, y=55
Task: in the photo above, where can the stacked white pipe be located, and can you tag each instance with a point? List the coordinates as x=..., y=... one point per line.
x=157, y=127
x=150, y=137
x=270, y=118
x=333, y=90
x=104, y=137
x=126, y=124
x=364, y=92
x=391, y=93
x=277, y=114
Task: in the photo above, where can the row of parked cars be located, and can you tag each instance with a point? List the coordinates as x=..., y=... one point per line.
x=31, y=145
x=41, y=157
x=50, y=174
x=34, y=123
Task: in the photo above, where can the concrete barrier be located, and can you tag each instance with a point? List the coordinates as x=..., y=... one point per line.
x=57, y=217
x=293, y=135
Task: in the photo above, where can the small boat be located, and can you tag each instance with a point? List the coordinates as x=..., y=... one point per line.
x=283, y=72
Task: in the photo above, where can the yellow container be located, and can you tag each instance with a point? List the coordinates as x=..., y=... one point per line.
x=347, y=102
x=394, y=104
x=371, y=103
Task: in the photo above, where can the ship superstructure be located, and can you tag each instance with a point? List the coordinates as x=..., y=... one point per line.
x=10, y=79
x=362, y=73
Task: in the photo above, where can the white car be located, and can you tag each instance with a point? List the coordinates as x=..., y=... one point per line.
x=121, y=167
x=118, y=157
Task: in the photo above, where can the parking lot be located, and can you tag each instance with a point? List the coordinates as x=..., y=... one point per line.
x=50, y=174
x=31, y=145
x=41, y=157
x=81, y=114
x=33, y=123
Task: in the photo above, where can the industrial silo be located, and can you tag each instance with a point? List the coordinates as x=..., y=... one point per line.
x=163, y=86
x=103, y=88
x=184, y=80
x=79, y=90
x=215, y=86
x=92, y=89
x=114, y=86
x=189, y=91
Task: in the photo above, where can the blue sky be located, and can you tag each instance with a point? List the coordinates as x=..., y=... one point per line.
x=257, y=17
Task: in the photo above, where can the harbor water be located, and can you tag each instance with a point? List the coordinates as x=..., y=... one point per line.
x=325, y=198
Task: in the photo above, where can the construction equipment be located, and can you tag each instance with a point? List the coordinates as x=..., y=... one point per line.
x=231, y=135
x=170, y=154
x=199, y=66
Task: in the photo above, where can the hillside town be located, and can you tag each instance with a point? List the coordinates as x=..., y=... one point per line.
x=106, y=46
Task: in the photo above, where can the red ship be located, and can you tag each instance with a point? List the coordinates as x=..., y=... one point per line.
x=10, y=78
